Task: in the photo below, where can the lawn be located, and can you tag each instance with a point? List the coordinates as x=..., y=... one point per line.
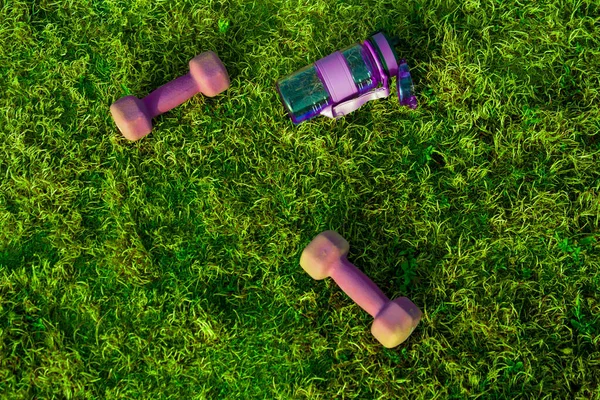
x=168, y=268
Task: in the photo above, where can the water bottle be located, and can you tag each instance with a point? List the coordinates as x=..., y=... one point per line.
x=343, y=81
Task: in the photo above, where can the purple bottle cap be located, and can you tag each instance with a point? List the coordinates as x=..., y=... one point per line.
x=381, y=46
x=405, y=87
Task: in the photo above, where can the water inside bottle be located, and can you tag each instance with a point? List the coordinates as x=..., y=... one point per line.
x=303, y=94
x=361, y=67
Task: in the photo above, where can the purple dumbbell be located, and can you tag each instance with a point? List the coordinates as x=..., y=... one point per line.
x=134, y=116
x=325, y=256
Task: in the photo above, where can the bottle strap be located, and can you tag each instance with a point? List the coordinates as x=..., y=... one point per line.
x=348, y=106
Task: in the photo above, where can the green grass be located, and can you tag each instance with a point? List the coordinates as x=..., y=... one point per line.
x=168, y=268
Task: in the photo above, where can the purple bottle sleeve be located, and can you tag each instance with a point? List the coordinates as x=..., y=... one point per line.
x=336, y=76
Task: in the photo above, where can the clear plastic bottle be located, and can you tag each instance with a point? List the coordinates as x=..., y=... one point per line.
x=344, y=80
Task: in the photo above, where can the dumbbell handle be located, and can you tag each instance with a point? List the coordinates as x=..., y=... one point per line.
x=358, y=286
x=171, y=95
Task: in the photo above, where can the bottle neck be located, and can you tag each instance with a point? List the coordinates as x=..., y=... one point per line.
x=379, y=69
